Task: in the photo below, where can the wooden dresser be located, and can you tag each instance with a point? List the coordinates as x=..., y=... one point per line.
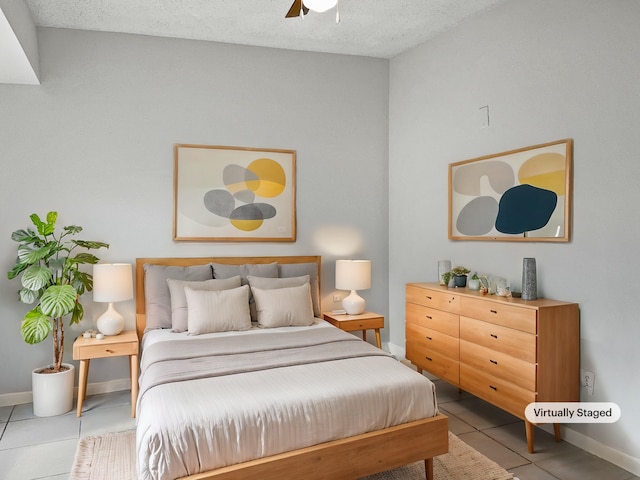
x=507, y=351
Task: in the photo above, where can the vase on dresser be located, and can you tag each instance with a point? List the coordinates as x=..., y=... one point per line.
x=529, y=280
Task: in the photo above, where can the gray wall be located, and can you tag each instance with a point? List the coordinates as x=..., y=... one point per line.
x=95, y=142
x=548, y=70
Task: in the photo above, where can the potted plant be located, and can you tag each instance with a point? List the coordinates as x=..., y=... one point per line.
x=461, y=275
x=52, y=280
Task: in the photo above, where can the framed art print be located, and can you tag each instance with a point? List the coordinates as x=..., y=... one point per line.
x=521, y=195
x=234, y=194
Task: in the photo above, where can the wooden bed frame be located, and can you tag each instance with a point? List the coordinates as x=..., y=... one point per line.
x=348, y=458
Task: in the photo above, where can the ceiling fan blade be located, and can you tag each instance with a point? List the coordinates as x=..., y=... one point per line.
x=294, y=11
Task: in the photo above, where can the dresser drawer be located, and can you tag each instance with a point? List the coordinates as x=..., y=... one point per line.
x=434, y=341
x=444, y=322
x=513, y=342
x=499, y=365
x=500, y=313
x=440, y=365
x=501, y=393
x=440, y=300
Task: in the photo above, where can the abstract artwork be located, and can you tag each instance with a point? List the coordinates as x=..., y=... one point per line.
x=233, y=194
x=520, y=195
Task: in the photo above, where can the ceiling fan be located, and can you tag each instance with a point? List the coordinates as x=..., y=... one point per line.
x=301, y=7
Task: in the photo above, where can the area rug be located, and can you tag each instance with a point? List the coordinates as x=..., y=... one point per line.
x=112, y=457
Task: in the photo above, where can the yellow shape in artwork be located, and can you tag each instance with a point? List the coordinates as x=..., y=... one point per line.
x=271, y=178
x=547, y=170
x=247, y=225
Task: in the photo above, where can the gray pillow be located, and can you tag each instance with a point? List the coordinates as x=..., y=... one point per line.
x=218, y=311
x=156, y=290
x=300, y=269
x=179, y=309
x=269, y=270
x=284, y=307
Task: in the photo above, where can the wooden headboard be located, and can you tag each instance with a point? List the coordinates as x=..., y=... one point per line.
x=185, y=262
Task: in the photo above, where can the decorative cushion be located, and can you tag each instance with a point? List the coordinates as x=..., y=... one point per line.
x=157, y=296
x=211, y=311
x=286, y=270
x=267, y=270
x=284, y=307
x=179, y=299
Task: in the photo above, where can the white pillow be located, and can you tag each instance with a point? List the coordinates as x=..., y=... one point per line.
x=284, y=307
x=179, y=299
x=217, y=311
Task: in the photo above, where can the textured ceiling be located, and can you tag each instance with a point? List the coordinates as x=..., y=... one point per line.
x=375, y=28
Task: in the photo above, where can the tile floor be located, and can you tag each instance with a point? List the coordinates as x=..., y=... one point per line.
x=43, y=448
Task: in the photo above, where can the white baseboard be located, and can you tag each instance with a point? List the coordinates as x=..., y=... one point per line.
x=598, y=449
x=18, y=398
x=573, y=437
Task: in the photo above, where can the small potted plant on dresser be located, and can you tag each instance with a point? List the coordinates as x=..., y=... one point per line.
x=461, y=275
x=51, y=279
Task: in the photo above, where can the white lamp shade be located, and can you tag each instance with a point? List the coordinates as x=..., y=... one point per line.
x=353, y=274
x=320, y=5
x=112, y=282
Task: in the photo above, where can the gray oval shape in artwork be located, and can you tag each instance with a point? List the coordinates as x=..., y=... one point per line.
x=254, y=211
x=478, y=216
x=219, y=202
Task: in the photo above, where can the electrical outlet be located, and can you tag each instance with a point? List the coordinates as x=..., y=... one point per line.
x=588, y=380
x=337, y=298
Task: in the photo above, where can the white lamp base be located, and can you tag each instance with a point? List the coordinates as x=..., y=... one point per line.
x=110, y=322
x=353, y=304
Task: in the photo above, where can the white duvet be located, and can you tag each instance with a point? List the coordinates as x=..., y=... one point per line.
x=200, y=424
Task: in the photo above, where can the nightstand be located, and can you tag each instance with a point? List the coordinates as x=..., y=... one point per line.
x=85, y=349
x=364, y=321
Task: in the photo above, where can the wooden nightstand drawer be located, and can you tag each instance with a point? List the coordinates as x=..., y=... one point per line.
x=106, y=350
x=444, y=322
x=501, y=393
x=501, y=313
x=433, y=340
x=440, y=365
x=513, y=342
x=440, y=300
x=499, y=365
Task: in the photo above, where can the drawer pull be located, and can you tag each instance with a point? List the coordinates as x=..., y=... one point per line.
x=109, y=351
x=494, y=311
x=493, y=335
x=493, y=388
x=428, y=358
x=428, y=338
x=493, y=361
x=452, y=299
x=429, y=317
x=428, y=297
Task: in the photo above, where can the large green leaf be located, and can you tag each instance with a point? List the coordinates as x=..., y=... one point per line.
x=17, y=269
x=45, y=228
x=82, y=282
x=35, y=277
x=72, y=229
x=26, y=236
x=29, y=296
x=90, y=244
x=35, y=326
x=78, y=313
x=29, y=255
x=58, y=300
x=86, y=258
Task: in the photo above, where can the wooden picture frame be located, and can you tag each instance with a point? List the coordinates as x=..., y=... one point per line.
x=234, y=194
x=521, y=195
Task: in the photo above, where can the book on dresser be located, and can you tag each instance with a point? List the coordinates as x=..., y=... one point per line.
x=508, y=351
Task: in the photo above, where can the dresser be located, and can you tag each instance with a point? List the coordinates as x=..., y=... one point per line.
x=507, y=351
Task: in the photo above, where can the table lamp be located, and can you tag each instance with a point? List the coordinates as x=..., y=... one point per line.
x=353, y=275
x=112, y=282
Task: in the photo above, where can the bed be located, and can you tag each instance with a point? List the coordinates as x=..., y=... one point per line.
x=276, y=399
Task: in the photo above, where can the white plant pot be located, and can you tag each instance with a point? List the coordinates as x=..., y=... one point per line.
x=52, y=392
